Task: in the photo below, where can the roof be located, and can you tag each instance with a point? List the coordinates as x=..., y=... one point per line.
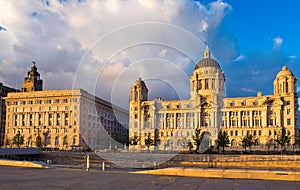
x=207, y=62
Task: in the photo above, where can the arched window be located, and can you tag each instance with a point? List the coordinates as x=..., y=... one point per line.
x=74, y=140
x=56, y=141
x=233, y=142
x=48, y=140
x=65, y=140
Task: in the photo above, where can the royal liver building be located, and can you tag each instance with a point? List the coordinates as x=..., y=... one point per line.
x=172, y=123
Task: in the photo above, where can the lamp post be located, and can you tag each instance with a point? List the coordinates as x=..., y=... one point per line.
x=18, y=139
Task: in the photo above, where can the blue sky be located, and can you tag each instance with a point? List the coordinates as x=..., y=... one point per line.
x=256, y=23
x=73, y=40
x=254, y=26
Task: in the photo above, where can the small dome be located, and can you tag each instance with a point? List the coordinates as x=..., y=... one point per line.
x=139, y=82
x=284, y=72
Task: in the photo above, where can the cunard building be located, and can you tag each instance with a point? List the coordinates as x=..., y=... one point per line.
x=172, y=123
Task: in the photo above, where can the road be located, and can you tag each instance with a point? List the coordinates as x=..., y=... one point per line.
x=64, y=178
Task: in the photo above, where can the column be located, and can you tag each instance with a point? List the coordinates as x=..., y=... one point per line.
x=239, y=120
x=165, y=121
x=263, y=118
x=175, y=121
x=185, y=120
x=227, y=117
x=251, y=118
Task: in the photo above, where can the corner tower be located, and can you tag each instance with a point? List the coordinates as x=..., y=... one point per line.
x=285, y=89
x=32, y=81
x=138, y=94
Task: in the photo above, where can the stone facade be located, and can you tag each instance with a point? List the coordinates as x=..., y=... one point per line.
x=64, y=119
x=172, y=123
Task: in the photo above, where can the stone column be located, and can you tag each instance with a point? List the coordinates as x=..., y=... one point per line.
x=228, y=119
x=251, y=118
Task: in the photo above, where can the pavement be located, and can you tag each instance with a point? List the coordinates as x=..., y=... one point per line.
x=63, y=178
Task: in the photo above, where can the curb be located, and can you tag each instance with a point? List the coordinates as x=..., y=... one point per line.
x=25, y=164
x=226, y=173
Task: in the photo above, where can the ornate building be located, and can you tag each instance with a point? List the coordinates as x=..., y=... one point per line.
x=62, y=119
x=172, y=123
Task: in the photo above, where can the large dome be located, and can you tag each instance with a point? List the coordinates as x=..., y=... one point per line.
x=207, y=61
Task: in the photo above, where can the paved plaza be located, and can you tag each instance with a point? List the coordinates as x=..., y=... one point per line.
x=63, y=178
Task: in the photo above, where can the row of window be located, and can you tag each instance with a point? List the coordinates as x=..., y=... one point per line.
x=30, y=109
x=255, y=103
x=48, y=101
x=37, y=130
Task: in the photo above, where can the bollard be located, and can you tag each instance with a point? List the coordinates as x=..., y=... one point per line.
x=103, y=165
x=87, y=162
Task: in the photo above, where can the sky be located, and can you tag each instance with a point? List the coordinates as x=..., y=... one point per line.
x=103, y=46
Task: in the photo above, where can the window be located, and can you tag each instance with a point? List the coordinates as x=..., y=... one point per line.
x=232, y=103
x=135, y=116
x=288, y=102
x=288, y=111
x=56, y=141
x=206, y=84
x=74, y=140
x=288, y=121
x=65, y=140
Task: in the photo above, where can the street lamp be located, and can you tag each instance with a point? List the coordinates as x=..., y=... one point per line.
x=18, y=140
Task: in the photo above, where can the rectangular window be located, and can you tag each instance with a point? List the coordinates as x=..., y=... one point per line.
x=288, y=111
x=288, y=121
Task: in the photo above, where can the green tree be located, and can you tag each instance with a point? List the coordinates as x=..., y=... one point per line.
x=149, y=141
x=183, y=142
x=283, y=139
x=223, y=140
x=248, y=141
x=18, y=139
x=197, y=138
x=38, y=141
x=8, y=142
x=133, y=140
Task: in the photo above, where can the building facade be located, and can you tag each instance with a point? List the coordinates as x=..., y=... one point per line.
x=64, y=119
x=4, y=90
x=172, y=123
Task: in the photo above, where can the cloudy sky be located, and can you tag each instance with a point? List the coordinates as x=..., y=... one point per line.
x=103, y=46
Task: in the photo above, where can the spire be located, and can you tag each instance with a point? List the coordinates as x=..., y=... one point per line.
x=206, y=53
x=33, y=63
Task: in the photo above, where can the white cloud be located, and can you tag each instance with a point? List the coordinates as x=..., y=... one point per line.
x=247, y=90
x=277, y=42
x=58, y=33
x=239, y=58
